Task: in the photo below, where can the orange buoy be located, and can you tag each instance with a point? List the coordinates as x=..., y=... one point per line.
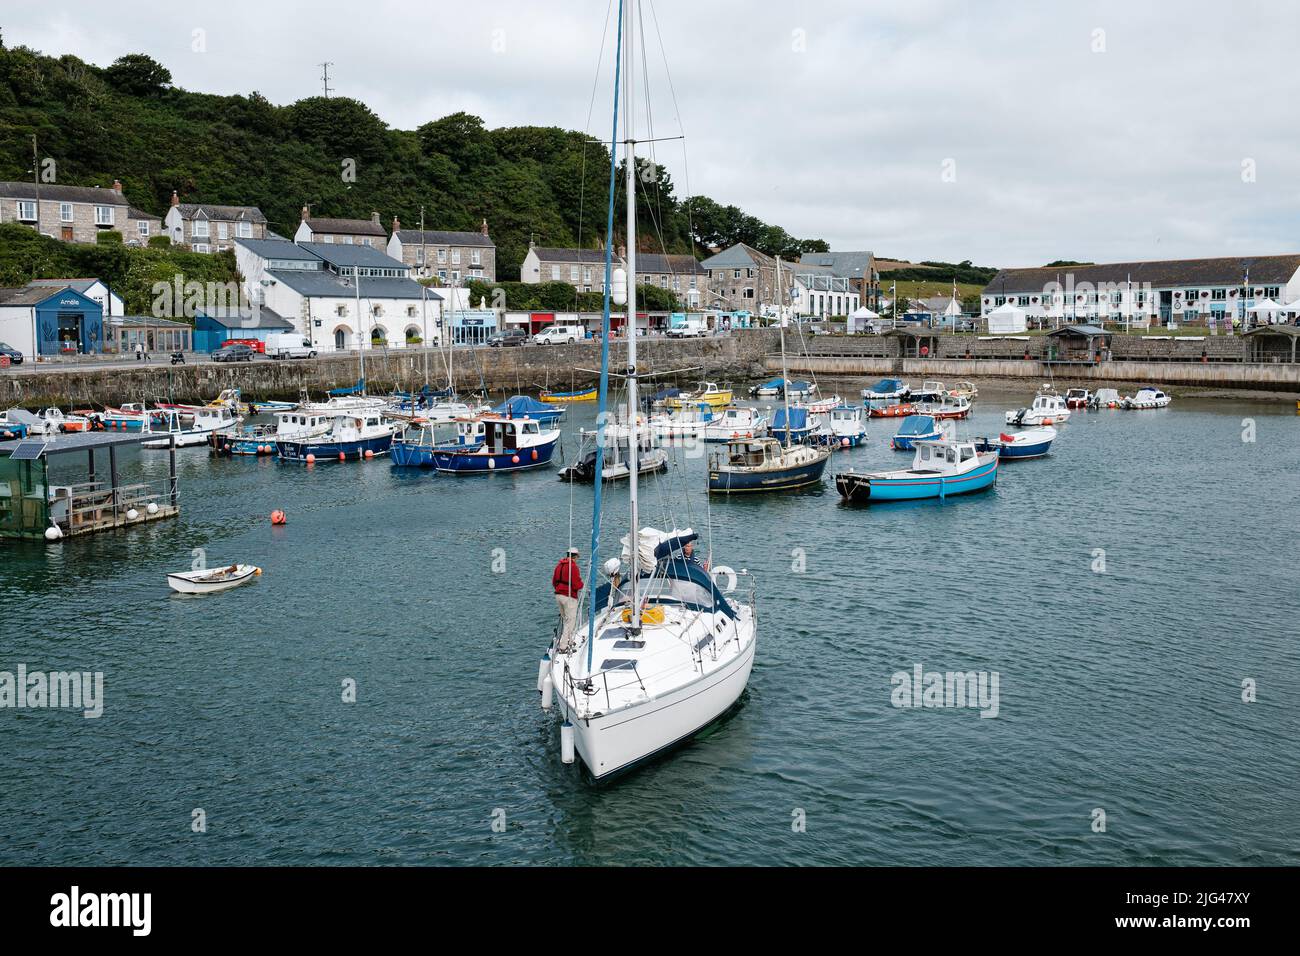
x=311, y=459
x=514, y=459
x=369, y=453
x=278, y=517
x=535, y=450
x=342, y=456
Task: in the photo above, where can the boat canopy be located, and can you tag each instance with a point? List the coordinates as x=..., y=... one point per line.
x=887, y=386
x=676, y=581
x=798, y=419
x=519, y=406
x=800, y=386
x=356, y=389
x=776, y=383
x=917, y=425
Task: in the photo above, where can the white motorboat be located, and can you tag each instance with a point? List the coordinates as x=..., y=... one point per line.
x=1146, y=398
x=440, y=413
x=843, y=427
x=662, y=652
x=736, y=422
x=211, y=580
x=191, y=428
x=685, y=422
x=1104, y=398
x=819, y=406
x=614, y=463
x=928, y=392
x=1048, y=408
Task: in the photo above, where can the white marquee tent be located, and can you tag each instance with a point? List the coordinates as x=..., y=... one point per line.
x=1007, y=320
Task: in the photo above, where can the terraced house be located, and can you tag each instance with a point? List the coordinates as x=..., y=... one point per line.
x=346, y=232
x=69, y=213
x=584, y=269
x=451, y=256
x=208, y=227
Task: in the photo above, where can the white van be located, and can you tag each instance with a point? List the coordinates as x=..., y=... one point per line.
x=282, y=345
x=560, y=333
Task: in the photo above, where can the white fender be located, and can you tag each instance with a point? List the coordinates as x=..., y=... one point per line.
x=566, y=742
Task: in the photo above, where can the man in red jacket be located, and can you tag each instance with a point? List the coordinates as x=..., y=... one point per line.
x=567, y=582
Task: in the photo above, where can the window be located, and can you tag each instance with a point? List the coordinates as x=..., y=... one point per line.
x=347, y=240
x=200, y=247
x=455, y=275
x=573, y=273
x=410, y=311
x=377, y=311
x=442, y=274
x=329, y=239
x=476, y=273
x=419, y=257
x=455, y=257
x=143, y=227
x=65, y=212
x=223, y=230
x=244, y=230
x=27, y=211
x=103, y=215
x=341, y=310
x=476, y=258
x=442, y=257
x=586, y=274
x=735, y=274
x=555, y=273
x=200, y=229
x=367, y=242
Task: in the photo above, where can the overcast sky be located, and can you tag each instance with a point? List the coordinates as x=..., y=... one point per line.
x=1008, y=133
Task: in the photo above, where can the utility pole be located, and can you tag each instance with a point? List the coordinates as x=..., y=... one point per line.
x=36, y=181
x=325, y=77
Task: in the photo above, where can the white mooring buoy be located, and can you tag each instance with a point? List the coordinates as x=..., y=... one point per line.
x=543, y=669
x=548, y=689
x=566, y=742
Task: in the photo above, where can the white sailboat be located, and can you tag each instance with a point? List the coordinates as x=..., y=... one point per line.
x=664, y=652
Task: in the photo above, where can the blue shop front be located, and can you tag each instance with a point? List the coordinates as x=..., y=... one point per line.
x=68, y=323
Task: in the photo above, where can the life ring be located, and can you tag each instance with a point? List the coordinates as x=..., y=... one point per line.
x=730, y=575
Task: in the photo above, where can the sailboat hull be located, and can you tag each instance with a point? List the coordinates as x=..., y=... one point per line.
x=475, y=463
x=612, y=744
x=772, y=479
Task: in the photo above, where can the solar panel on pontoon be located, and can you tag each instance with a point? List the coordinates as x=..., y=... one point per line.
x=27, y=451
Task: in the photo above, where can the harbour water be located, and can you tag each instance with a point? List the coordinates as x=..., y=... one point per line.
x=1120, y=691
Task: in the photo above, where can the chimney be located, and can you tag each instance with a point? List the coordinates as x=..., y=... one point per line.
x=397, y=224
x=306, y=212
x=532, y=244
x=176, y=199
x=374, y=217
x=117, y=186
x=483, y=228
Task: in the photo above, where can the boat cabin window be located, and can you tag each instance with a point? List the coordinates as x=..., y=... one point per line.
x=967, y=453
x=530, y=428
x=925, y=453
x=952, y=456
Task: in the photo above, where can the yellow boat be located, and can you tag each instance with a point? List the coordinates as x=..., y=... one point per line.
x=710, y=395
x=561, y=398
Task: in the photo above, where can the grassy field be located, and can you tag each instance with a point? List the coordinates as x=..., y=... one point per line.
x=924, y=290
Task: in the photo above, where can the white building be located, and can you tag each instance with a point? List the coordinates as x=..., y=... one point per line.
x=315, y=286
x=1191, y=291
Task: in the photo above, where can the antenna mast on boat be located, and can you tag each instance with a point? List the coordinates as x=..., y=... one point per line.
x=629, y=128
x=785, y=373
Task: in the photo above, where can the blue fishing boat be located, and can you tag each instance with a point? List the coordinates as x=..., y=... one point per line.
x=245, y=440
x=508, y=444
x=356, y=435
x=940, y=469
x=522, y=406
x=417, y=449
x=913, y=429
x=843, y=426
x=791, y=425
x=1030, y=443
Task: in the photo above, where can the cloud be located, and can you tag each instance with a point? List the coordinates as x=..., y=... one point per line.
x=1090, y=131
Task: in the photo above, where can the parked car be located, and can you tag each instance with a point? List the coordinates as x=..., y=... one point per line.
x=14, y=356
x=560, y=333
x=233, y=352
x=508, y=338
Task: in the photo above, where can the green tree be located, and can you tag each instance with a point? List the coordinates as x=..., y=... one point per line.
x=138, y=75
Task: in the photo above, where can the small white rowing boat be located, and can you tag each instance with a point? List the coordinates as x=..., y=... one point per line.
x=211, y=580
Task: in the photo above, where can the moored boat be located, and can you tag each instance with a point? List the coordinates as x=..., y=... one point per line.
x=890, y=410
x=682, y=422
x=1149, y=397
x=941, y=468
x=946, y=408
x=508, y=444
x=765, y=464
x=362, y=434
x=915, y=428
x=1077, y=398
x=582, y=395
x=842, y=427
x=614, y=461
x=792, y=425
x=964, y=390
x=1030, y=443
x=1048, y=408
x=736, y=422
x=709, y=393
x=887, y=389
x=211, y=580
x=185, y=429
x=1104, y=398
x=524, y=406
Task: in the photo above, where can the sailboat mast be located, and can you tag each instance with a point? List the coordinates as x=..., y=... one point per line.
x=785, y=373
x=629, y=129
x=361, y=330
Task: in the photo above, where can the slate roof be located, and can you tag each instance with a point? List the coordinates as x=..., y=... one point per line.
x=656, y=263
x=443, y=238
x=280, y=249
x=342, y=254
x=555, y=254
x=739, y=256
x=346, y=227
x=133, y=213
x=212, y=211
x=848, y=265
x=323, y=284
x=1226, y=271
x=80, y=285
x=245, y=317
x=104, y=196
